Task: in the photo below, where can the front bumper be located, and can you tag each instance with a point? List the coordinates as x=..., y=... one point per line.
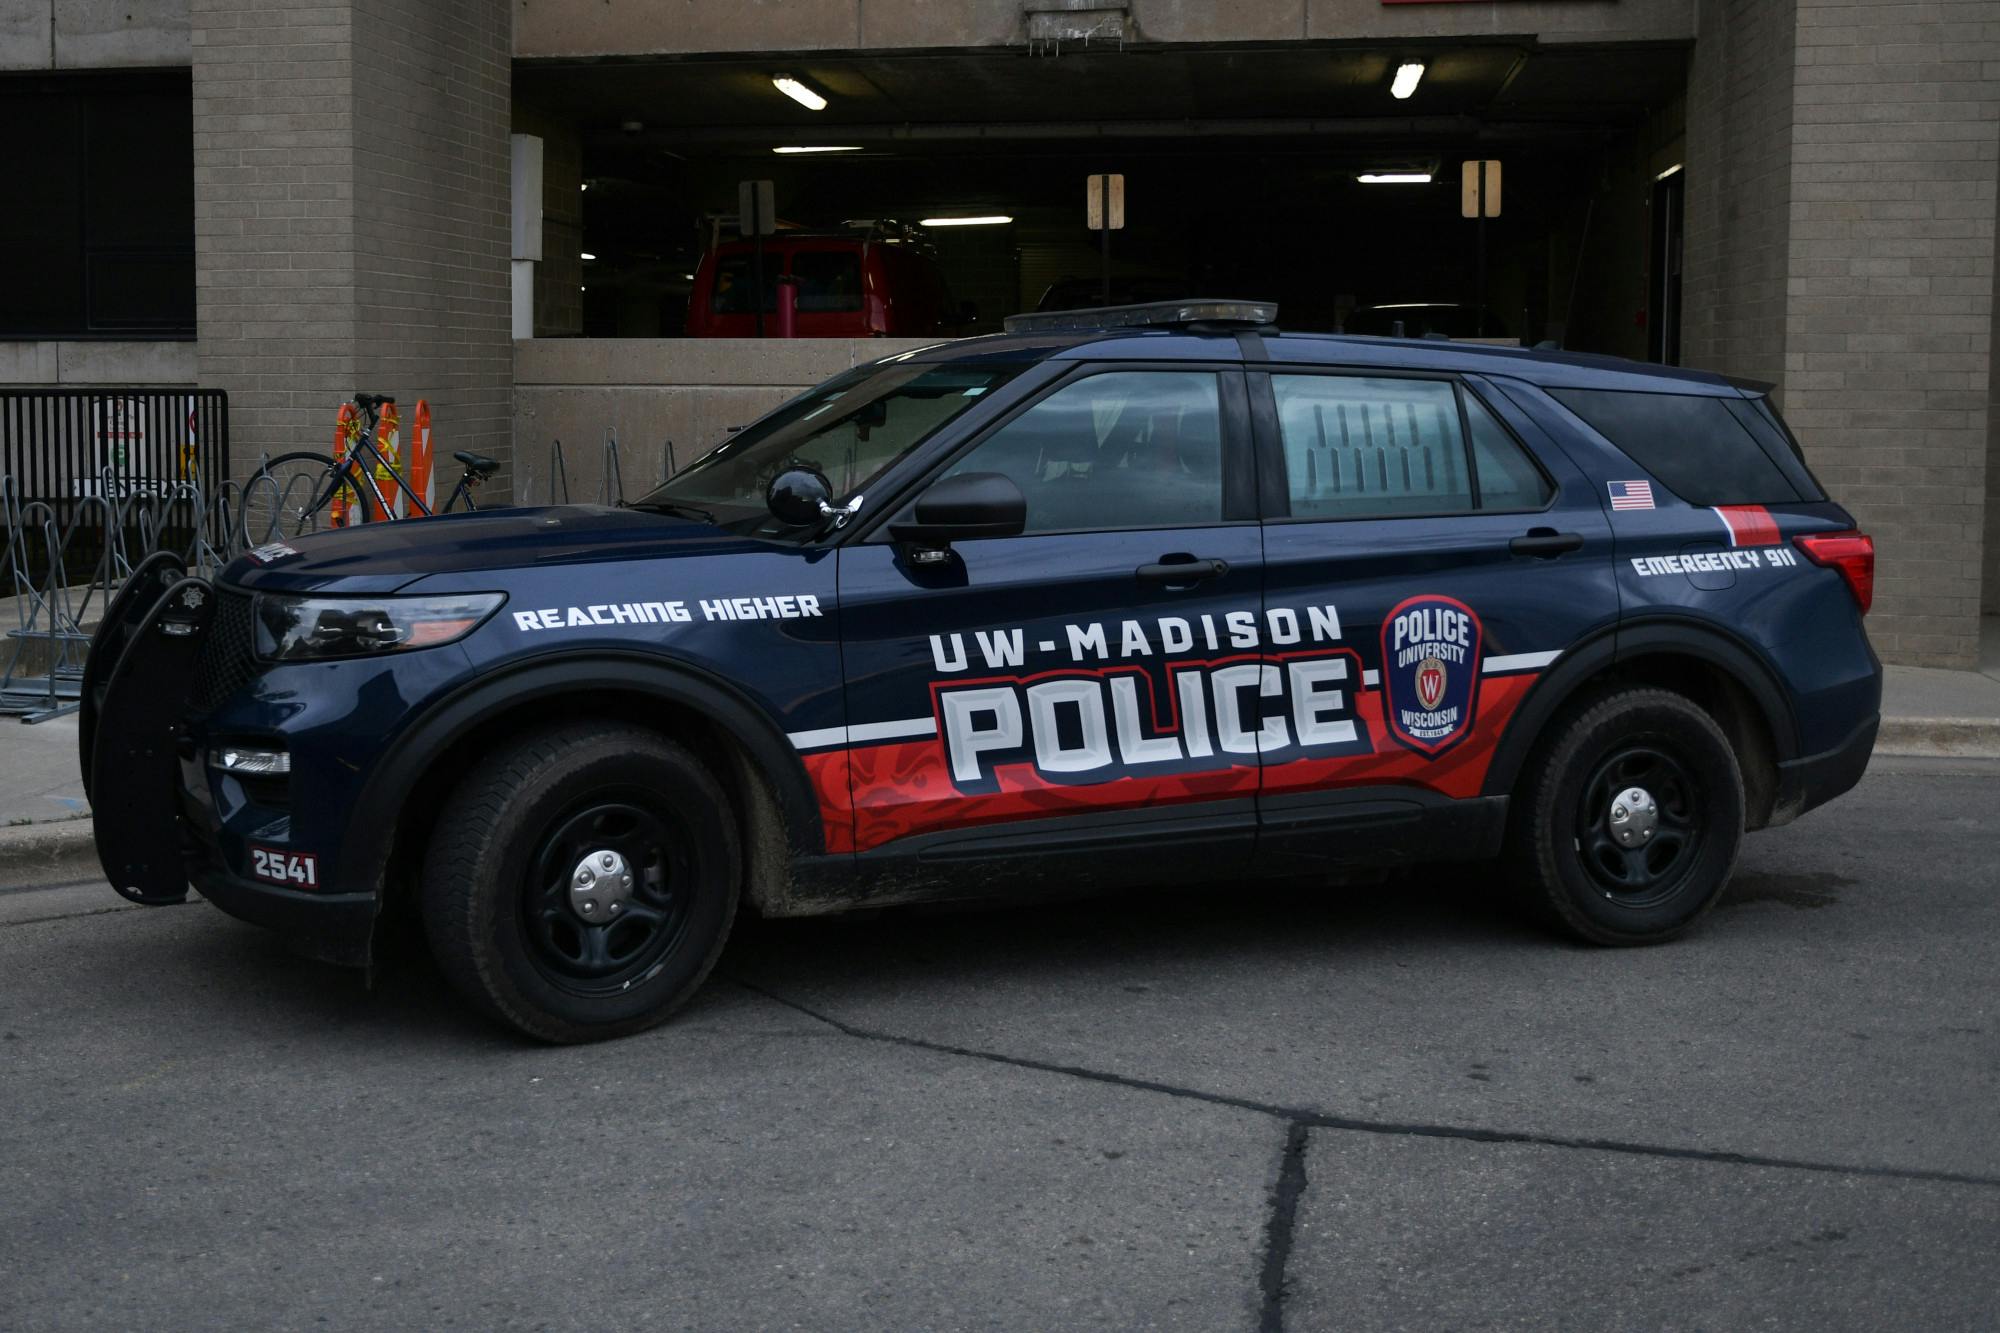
x=1814, y=779
x=332, y=927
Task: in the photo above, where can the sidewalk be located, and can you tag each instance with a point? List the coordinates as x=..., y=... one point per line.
x=1925, y=713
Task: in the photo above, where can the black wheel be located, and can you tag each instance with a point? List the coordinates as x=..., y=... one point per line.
x=294, y=494
x=1627, y=822
x=581, y=882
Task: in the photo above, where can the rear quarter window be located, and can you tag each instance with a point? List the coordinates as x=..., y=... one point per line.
x=1694, y=444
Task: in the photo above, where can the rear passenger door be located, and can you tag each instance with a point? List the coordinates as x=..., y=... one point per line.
x=1459, y=553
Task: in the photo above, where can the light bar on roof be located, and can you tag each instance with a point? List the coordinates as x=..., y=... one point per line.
x=1153, y=314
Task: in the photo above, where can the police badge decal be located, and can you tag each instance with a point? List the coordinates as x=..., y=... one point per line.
x=1430, y=672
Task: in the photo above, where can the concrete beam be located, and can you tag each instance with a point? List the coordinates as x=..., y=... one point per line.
x=49, y=363
x=553, y=28
x=121, y=34
x=27, y=37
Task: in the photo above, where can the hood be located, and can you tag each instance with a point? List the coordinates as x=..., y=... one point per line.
x=383, y=557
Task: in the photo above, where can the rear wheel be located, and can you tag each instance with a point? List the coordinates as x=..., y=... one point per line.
x=581, y=883
x=1627, y=823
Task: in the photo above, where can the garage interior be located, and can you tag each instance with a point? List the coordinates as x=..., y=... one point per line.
x=1241, y=169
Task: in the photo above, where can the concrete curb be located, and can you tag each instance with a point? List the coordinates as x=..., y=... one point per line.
x=57, y=847
x=1939, y=737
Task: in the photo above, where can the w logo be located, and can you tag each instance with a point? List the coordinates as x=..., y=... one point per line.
x=1430, y=682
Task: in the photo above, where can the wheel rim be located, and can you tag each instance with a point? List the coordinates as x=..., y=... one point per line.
x=1638, y=825
x=605, y=934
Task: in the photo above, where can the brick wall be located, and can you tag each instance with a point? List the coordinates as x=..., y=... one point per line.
x=1889, y=321
x=432, y=83
x=274, y=217
x=351, y=214
x=1739, y=153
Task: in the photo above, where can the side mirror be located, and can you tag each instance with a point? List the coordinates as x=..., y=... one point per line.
x=962, y=508
x=799, y=496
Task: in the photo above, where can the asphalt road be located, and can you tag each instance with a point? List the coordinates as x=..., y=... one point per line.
x=1394, y=1106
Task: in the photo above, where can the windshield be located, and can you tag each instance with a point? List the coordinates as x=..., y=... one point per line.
x=851, y=428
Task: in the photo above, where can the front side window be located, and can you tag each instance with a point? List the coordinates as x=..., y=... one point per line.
x=851, y=429
x=1122, y=449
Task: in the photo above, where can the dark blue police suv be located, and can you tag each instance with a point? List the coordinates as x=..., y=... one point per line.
x=1130, y=596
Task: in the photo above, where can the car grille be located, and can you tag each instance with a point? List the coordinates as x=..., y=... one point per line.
x=226, y=662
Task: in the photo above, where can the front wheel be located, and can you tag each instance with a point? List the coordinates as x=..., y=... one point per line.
x=297, y=493
x=1627, y=822
x=582, y=881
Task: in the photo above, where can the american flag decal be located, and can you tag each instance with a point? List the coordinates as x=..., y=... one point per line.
x=1631, y=494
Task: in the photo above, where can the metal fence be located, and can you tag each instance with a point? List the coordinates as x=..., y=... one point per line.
x=91, y=482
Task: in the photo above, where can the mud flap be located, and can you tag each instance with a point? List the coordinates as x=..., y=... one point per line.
x=143, y=588
x=135, y=800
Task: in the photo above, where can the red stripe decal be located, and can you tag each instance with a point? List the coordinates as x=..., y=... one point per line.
x=1749, y=525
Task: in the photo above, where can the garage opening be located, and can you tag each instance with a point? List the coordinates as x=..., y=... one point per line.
x=1290, y=173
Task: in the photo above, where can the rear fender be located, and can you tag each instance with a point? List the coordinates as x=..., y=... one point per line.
x=1630, y=642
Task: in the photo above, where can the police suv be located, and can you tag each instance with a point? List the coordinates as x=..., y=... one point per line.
x=1126, y=596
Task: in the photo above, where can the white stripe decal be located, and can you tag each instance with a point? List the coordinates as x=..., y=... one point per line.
x=867, y=731
x=890, y=731
x=1518, y=662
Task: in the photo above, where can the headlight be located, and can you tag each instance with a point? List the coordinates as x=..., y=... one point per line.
x=292, y=629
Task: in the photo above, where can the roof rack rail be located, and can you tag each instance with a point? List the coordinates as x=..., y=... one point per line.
x=1220, y=314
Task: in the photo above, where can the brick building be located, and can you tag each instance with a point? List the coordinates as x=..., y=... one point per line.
x=289, y=200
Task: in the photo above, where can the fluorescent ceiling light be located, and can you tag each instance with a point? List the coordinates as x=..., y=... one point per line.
x=992, y=220
x=818, y=148
x=1406, y=80
x=588, y=255
x=1395, y=178
x=584, y=186
x=798, y=92
x=1669, y=171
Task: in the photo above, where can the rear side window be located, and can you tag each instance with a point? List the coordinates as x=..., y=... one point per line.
x=1694, y=443
x=828, y=279
x=1361, y=447
x=1358, y=446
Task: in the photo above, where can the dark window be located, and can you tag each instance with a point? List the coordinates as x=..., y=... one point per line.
x=1123, y=449
x=101, y=241
x=1757, y=416
x=828, y=279
x=1508, y=478
x=1359, y=447
x=1693, y=443
x=736, y=275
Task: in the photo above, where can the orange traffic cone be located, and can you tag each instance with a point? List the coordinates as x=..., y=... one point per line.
x=420, y=452
x=345, y=428
x=388, y=435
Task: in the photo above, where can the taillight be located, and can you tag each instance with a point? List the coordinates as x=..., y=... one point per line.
x=1852, y=553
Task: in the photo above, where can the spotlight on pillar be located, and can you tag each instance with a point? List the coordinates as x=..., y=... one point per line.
x=1406, y=80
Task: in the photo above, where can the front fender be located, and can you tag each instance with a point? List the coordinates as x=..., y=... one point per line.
x=444, y=723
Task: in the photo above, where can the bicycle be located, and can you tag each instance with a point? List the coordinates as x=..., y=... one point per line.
x=288, y=493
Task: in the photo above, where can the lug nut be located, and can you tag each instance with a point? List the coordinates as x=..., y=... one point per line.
x=607, y=860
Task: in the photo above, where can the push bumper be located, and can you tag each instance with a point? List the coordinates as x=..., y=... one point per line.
x=1813, y=780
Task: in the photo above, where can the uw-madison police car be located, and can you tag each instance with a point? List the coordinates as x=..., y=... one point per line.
x=1123, y=597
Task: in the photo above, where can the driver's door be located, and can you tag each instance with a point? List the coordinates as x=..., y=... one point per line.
x=1093, y=683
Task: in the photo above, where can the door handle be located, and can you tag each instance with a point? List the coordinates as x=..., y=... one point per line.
x=1182, y=571
x=1546, y=543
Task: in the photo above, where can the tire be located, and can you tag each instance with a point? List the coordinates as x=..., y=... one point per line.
x=1565, y=849
x=510, y=845
x=291, y=495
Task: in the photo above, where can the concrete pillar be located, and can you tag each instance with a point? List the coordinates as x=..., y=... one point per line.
x=1871, y=132
x=351, y=214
